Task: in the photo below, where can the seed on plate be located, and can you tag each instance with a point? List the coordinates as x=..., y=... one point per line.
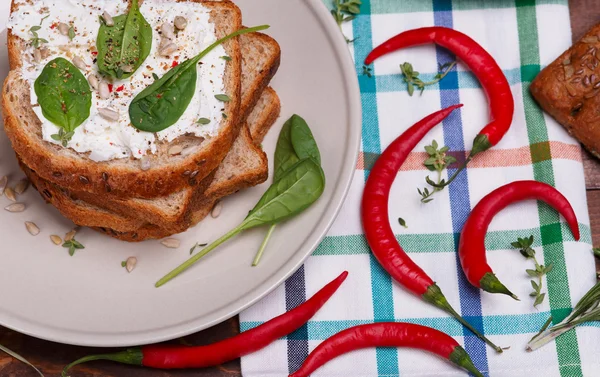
x=22, y=186
x=94, y=82
x=108, y=20
x=145, y=163
x=168, y=49
x=32, y=228
x=10, y=194
x=45, y=52
x=69, y=236
x=63, y=28
x=597, y=85
x=103, y=90
x=37, y=55
x=108, y=114
x=216, y=211
x=175, y=150
x=171, y=243
x=15, y=207
x=180, y=22
x=167, y=31
x=3, y=183
x=79, y=63
x=130, y=263
x=56, y=239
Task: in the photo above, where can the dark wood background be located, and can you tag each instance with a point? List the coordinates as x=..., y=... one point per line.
x=52, y=357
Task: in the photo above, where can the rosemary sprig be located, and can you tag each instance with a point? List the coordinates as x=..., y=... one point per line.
x=586, y=310
x=438, y=160
x=345, y=11
x=524, y=246
x=412, y=80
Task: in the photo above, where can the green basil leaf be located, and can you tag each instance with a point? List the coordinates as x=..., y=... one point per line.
x=161, y=104
x=285, y=156
x=63, y=94
x=127, y=43
x=295, y=191
x=303, y=141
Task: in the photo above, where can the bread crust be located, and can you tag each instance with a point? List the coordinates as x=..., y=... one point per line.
x=78, y=173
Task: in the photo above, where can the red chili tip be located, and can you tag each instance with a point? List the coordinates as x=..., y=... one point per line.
x=175, y=64
x=110, y=88
x=120, y=88
x=95, y=53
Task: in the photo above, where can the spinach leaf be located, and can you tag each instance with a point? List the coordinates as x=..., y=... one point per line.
x=64, y=94
x=303, y=141
x=122, y=48
x=295, y=191
x=161, y=104
x=285, y=156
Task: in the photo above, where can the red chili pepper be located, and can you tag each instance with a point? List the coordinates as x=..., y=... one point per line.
x=174, y=64
x=162, y=356
x=483, y=66
x=95, y=53
x=110, y=88
x=120, y=88
x=387, y=334
x=375, y=219
x=471, y=248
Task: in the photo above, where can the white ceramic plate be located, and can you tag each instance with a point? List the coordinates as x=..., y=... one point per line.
x=90, y=300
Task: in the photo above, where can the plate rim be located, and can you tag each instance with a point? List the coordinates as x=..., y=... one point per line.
x=339, y=195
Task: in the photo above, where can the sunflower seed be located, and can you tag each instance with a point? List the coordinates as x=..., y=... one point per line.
x=579, y=72
x=130, y=263
x=103, y=90
x=108, y=114
x=586, y=81
x=69, y=236
x=145, y=163
x=63, y=28
x=187, y=151
x=569, y=70
x=572, y=92
x=84, y=180
x=3, y=183
x=79, y=63
x=597, y=85
x=175, y=150
x=168, y=49
x=171, y=243
x=216, y=211
x=104, y=176
x=10, y=194
x=180, y=22
x=590, y=66
x=56, y=239
x=127, y=68
x=194, y=174
x=45, y=52
x=576, y=80
x=22, y=186
x=593, y=78
x=32, y=228
x=94, y=82
x=108, y=20
x=37, y=55
x=15, y=207
x=167, y=31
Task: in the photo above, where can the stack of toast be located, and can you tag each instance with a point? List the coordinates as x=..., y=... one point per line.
x=163, y=193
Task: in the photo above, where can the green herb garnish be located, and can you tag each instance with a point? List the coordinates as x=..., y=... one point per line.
x=64, y=96
x=402, y=222
x=524, y=246
x=73, y=245
x=226, y=58
x=35, y=40
x=295, y=190
x=203, y=121
x=122, y=48
x=123, y=263
x=596, y=252
x=161, y=104
x=437, y=160
x=223, y=97
x=71, y=33
x=345, y=11
x=412, y=80
x=367, y=71
x=63, y=137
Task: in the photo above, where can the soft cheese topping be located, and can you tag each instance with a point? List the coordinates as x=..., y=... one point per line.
x=104, y=139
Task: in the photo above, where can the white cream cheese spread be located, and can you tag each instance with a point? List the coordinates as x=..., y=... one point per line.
x=102, y=138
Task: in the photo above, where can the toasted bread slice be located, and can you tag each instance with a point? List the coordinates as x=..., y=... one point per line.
x=260, y=61
x=244, y=166
x=124, y=177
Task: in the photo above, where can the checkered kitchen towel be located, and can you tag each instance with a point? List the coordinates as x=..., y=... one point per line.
x=522, y=36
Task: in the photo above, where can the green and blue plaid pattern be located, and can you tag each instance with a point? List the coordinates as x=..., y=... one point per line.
x=522, y=36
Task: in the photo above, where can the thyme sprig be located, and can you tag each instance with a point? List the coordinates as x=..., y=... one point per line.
x=412, y=80
x=437, y=160
x=524, y=246
x=345, y=11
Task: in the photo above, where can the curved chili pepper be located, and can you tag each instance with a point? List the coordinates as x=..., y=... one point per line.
x=471, y=248
x=177, y=357
x=387, y=334
x=483, y=66
x=376, y=224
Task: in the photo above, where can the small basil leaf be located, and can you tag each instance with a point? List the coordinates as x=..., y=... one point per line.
x=63, y=94
x=303, y=141
x=127, y=43
x=297, y=189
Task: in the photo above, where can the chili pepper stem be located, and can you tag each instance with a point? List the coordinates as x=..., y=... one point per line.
x=435, y=296
x=131, y=356
x=263, y=246
x=480, y=144
x=490, y=283
x=461, y=358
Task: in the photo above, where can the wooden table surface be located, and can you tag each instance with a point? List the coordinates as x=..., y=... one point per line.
x=52, y=357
